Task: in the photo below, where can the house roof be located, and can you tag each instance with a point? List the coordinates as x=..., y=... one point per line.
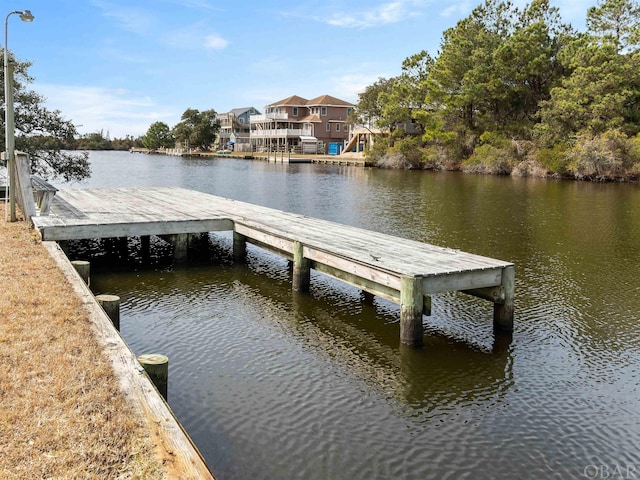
x=328, y=100
x=293, y=100
x=239, y=111
x=324, y=100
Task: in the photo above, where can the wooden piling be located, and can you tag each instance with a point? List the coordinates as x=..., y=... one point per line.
x=411, y=308
x=180, y=244
x=84, y=269
x=368, y=297
x=301, y=269
x=111, y=306
x=145, y=248
x=123, y=247
x=503, y=311
x=157, y=367
x=239, y=247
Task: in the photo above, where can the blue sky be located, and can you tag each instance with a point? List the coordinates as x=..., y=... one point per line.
x=118, y=66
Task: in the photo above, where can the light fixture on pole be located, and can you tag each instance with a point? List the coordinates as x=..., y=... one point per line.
x=9, y=126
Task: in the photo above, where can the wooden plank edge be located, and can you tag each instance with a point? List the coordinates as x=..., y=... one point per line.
x=135, y=229
x=179, y=455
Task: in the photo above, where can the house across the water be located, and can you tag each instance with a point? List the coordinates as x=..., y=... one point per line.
x=235, y=128
x=298, y=125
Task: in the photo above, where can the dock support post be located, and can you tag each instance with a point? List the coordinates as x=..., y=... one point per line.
x=180, y=242
x=301, y=269
x=411, y=307
x=123, y=247
x=145, y=248
x=503, y=312
x=239, y=247
x=157, y=367
x=83, y=268
x=368, y=297
x=111, y=306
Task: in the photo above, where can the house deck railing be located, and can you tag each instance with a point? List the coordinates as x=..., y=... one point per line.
x=281, y=133
x=268, y=117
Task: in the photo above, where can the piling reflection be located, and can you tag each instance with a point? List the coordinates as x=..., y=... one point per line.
x=336, y=321
x=445, y=369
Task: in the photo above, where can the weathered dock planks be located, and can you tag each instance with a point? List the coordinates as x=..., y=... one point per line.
x=401, y=270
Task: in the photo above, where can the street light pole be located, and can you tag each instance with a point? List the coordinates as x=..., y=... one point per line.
x=9, y=135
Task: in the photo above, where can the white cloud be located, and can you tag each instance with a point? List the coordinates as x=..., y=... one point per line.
x=459, y=8
x=215, y=42
x=203, y=5
x=190, y=37
x=94, y=109
x=129, y=18
x=391, y=12
x=347, y=87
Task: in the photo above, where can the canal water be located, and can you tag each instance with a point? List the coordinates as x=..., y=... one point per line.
x=272, y=384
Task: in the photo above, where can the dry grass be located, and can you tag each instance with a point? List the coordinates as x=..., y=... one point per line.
x=62, y=414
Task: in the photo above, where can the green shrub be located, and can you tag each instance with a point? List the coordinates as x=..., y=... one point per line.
x=495, y=155
x=378, y=150
x=410, y=147
x=496, y=139
x=439, y=157
x=608, y=156
x=555, y=159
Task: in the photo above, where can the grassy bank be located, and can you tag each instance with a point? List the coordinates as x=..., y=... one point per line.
x=62, y=414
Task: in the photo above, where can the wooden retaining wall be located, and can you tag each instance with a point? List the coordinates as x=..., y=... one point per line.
x=180, y=457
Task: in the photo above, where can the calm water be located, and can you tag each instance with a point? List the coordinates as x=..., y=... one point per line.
x=276, y=385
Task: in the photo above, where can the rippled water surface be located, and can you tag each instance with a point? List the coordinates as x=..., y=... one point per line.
x=271, y=384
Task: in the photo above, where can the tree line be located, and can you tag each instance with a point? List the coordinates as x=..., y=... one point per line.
x=196, y=129
x=517, y=91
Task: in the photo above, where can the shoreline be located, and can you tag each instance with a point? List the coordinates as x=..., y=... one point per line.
x=356, y=159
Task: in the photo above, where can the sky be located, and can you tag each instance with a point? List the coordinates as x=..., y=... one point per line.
x=116, y=66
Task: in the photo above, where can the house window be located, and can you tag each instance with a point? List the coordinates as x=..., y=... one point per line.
x=295, y=111
x=337, y=127
x=349, y=110
x=328, y=127
x=324, y=111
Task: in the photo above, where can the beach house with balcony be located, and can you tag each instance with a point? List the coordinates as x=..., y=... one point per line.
x=300, y=125
x=234, y=130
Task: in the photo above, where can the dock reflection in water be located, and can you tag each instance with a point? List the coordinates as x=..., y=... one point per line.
x=309, y=375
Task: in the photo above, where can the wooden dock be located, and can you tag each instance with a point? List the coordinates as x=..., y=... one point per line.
x=403, y=271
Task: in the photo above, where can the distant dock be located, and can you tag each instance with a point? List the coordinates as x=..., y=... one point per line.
x=403, y=271
x=347, y=159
